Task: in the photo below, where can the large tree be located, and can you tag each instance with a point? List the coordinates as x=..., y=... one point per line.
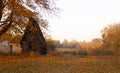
x=27, y=16
x=111, y=37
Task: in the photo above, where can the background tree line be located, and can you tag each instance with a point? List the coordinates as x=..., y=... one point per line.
x=109, y=43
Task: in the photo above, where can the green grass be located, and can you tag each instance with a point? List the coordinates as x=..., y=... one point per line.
x=57, y=64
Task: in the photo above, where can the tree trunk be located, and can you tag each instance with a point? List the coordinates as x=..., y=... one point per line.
x=33, y=39
x=0, y=9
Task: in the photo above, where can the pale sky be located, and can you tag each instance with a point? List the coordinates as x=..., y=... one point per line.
x=83, y=19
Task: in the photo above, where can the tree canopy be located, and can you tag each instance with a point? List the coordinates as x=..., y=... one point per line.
x=26, y=17
x=18, y=12
x=111, y=37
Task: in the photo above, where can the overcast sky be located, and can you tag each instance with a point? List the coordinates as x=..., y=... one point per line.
x=83, y=19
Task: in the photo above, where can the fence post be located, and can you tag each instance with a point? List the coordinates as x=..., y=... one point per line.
x=11, y=47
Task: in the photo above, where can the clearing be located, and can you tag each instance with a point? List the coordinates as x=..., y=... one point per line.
x=59, y=64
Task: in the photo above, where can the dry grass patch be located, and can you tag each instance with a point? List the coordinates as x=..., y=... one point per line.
x=58, y=64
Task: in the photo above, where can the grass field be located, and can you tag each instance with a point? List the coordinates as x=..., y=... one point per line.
x=58, y=64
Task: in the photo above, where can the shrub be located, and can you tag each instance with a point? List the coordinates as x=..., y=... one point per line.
x=102, y=52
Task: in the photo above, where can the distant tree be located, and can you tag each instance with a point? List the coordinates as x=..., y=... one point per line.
x=65, y=43
x=94, y=44
x=73, y=44
x=52, y=44
x=69, y=44
x=111, y=37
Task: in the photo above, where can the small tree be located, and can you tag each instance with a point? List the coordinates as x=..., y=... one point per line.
x=52, y=44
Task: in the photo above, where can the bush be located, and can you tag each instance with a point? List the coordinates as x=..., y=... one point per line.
x=82, y=52
x=102, y=52
x=72, y=52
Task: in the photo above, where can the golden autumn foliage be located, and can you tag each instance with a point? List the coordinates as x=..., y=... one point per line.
x=111, y=37
x=94, y=44
x=20, y=11
x=26, y=16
